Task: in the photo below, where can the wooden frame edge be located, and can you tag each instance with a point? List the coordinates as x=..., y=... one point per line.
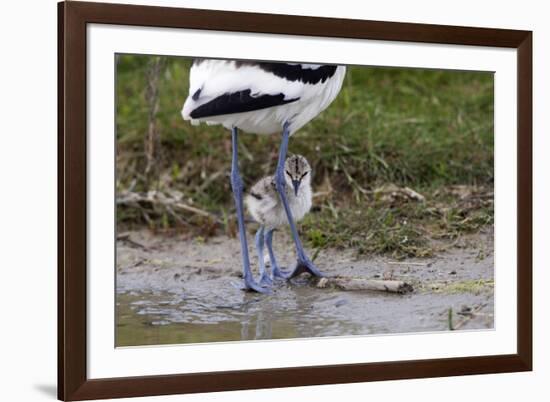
x=72, y=200
x=171, y=17
x=60, y=204
x=525, y=198
x=291, y=377
x=72, y=380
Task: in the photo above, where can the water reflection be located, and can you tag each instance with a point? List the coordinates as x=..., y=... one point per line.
x=150, y=318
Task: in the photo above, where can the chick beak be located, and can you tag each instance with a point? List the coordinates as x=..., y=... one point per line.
x=296, y=185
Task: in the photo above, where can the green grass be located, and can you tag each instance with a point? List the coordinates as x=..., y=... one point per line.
x=425, y=129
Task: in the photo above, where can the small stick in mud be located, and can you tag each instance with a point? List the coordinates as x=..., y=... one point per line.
x=468, y=316
x=350, y=283
x=418, y=264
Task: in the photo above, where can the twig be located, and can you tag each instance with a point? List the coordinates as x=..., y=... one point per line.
x=146, y=217
x=160, y=199
x=176, y=216
x=320, y=194
x=419, y=264
x=125, y=236
x=350, y=283
x=471, y=315
x=354, y=182
x=194, y=210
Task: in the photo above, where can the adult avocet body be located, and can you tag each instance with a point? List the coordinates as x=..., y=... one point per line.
x=261, y=98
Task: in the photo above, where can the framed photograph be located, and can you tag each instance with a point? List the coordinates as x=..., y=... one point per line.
x=253, y=201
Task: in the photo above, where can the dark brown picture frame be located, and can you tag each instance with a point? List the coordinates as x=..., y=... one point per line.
x=73, y=383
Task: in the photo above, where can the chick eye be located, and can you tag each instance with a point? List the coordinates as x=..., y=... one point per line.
x=288, y=173
x=304, y=175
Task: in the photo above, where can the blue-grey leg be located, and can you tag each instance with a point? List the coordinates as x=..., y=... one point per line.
x=237, y=186
x=265, y=280
x=276, y=271
x=303, y=264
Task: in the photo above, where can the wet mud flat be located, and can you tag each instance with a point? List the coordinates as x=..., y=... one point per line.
x=173, y=290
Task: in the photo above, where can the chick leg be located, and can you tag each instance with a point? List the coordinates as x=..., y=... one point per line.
x=276, y=271
x=265, y=280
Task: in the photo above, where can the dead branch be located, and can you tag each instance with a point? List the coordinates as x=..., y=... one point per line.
x=169, y=202
x=350, y=283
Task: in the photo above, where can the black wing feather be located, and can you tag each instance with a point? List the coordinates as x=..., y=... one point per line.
x=238, y=102
x=295, y=72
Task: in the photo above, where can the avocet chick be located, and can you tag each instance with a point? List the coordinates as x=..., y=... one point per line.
x=265, y=206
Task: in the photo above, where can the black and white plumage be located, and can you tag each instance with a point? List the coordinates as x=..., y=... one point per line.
x=259, y=97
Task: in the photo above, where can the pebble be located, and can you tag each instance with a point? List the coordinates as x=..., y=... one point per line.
x=340, y=303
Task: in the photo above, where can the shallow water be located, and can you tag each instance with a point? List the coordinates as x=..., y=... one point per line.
x=175, y=291
x=167, y=318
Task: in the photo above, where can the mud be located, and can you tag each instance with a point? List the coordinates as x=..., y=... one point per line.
x=173, y=290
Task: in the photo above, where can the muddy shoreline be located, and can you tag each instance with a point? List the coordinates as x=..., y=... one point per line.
x=175, y=290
